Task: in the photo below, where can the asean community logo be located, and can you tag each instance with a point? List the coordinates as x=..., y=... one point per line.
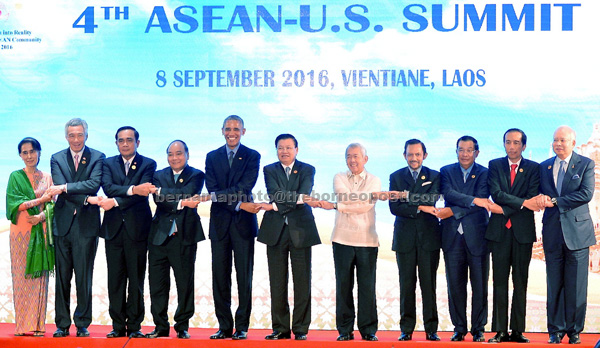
x=3, y=12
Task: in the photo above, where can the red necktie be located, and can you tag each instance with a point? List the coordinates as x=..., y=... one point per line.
x=513, y=174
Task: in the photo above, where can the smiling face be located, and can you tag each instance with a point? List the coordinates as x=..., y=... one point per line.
x=513, y=146
x=286, y=151
x=127, y=144
x=177, y=156
x=29, y=155
x=233, y=133
x=76, y=137
x=414, y=156
x=355, y=160
x=564, y=142
x=466, y=153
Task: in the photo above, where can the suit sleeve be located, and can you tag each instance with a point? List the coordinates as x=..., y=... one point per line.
x=169, y=197
x=400, y=207
x=77, y=192
x=241, y=190
x=285, y=200
x=460, y=203
x=511, y=204
x=583, y=194
x=119, y=192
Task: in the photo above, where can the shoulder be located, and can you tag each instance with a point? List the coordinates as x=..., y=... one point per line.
x=252, y=153
x=271, y=167
x=480, y=167
x=498, y=162
x=304, y=166
x=398, y=172
x=215, y=152
x=547, y=162
x=163, y=171
x=146, y=160
x=194, y=171
x=446, y=169
x=432, y=172
x=95, y=154
x=525, y=163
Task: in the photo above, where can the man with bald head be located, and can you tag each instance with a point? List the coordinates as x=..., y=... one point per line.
x=566, y=186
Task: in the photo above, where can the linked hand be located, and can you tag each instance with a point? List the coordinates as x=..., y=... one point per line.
x=266, y=206
x=444, y=213
x=250, y=207
x=144, y=189
x=106, y=204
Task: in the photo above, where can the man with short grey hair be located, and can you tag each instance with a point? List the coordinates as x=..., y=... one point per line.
x=77, y=175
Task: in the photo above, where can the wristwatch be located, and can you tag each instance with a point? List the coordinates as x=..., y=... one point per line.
x=335, y=206
x=554, y=201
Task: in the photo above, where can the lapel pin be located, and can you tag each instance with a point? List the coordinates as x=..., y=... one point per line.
x=473, y=176
x=573, y=166
x=521, y=170
x=133, y=167
x=549, y=167
x=295, y=172
x=422, y=177
x=180, y=180
x=240, y=158
x=83, y=160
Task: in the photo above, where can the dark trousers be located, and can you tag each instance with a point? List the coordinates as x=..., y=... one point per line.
x=567, y=273
x=462, y=266
x=126, y=262
x=346, y=259
x=277, y=259
x=426, y=262
x=243, y=252
x=74, y=253
x=181, y=258
x=507, y=254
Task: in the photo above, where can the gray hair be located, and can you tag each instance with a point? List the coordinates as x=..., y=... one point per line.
x=74, y=123
x=234, y=118
x=363, y=150
x=569, y=129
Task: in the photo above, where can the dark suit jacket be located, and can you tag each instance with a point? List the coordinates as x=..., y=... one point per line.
x=412, y=228
x=458, y=196
x=525, y=186
x=133, y=211
x=81, y=184
x=571, y=218
x=189, y=183
x=231, y=185
x=284, y=193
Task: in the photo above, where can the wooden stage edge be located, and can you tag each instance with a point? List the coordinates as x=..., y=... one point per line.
x=200, y=338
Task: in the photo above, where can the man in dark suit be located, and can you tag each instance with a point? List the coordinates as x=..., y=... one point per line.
x=513, y=182
x=288, y=229
x=175, y=232
x=77, y=174
x=127, y=182
x=231, y=173
x=567, y=186
x=417, y=239
x=464, y=221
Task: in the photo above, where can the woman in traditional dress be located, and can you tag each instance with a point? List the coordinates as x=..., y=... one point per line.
x=28, y=207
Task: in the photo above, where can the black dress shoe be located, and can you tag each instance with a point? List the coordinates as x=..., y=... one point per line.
x=555, y=338
x=61, y=332
x=457, y=336
x=501, y=336
x=276, y=335
x=157, y=333
x=432, y=336
x=370, y=337
x=346, y=337
x=221, y=334
x=574, y=339
x=136, y=334
x=300, y=337
x=518, y=337
x=183, y=334
x=405, y=336
x=239, y=335
x=478, y=337
x=82, y=332
x=115, y=333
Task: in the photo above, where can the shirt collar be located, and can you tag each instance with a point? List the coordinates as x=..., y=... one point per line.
x=518, y=163
x=234, y=150
x=568, y=159
x=362, y=174
x=468, y=170
x=290, y=166
x=418, y=170
x=178, y=172
x=130, y=160
x=73, y=153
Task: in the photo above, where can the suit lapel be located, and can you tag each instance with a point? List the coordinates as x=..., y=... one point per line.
x=70, y=164
x=550, y=176
x=135, y=165
x=84, y=161
x=571, y=171
x=292, y=182
x=408, y=179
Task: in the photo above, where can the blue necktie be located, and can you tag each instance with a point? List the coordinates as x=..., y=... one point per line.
x=560, y=177
x=414, y=173
x=230, y=158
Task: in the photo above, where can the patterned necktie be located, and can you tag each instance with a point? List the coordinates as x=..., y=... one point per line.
x=513, y=174
x=560, y=177
x=287, y=172
x=414, y=173
x=76, y=160
x=127, y=168
x=230, y=158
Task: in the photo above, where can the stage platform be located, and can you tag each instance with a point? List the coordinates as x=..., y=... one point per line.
x=316, y=338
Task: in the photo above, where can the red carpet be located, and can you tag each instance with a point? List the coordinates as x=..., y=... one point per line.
x=316, y=338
